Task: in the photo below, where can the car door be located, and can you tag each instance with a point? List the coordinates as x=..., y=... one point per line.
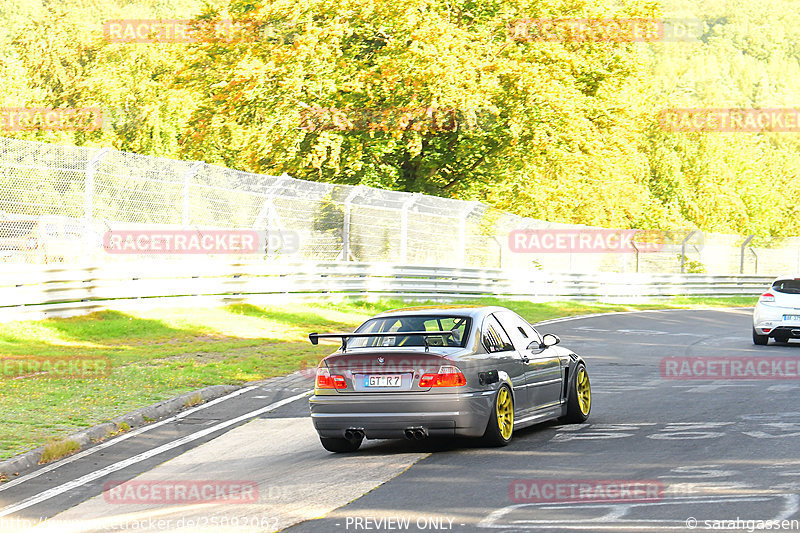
x=543, y=373
x=505, y=357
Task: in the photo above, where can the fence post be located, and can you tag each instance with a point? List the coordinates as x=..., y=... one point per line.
x=346, y=228
x=741, y=252
x=88, y=195
x=683, y=248
x=88, y=186
x=271, y=214
x=187, y=177
x=404, y=227
x=462, y=231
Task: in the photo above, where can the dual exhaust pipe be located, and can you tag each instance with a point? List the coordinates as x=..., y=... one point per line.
x=357, y=434
x=416, y=433
x=354, y=434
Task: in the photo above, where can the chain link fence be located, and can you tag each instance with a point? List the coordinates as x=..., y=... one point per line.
x=58, y=202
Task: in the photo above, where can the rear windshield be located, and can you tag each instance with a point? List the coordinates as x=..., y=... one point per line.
x=459, y=325
x=14, y=229
x=788, y=286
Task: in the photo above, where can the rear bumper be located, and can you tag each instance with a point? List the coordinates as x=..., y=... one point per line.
x=790, y=332
x=388, y=415
x=770, y=321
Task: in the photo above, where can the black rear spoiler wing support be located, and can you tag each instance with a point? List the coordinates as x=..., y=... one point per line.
x=315, y=337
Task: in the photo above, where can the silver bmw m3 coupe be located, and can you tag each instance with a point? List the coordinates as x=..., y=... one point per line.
x=466, y=371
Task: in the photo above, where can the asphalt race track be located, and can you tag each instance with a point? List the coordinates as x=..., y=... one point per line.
x=660, y=452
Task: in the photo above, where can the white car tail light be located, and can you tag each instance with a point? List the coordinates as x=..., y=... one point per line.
x=767, y=297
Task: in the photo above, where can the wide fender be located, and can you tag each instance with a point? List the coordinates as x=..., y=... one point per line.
x=570, y=364
x=504, y=378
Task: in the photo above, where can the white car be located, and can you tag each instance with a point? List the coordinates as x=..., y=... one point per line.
x=777, y=313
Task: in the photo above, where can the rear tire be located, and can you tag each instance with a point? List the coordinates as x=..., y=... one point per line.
x=500, y=428
x=579, y=402
x=760, y=340
x=337, y=445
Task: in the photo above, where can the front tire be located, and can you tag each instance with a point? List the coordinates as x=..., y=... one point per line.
x=579, y=402
x=500, y=428
x=760, y=340
x=337, y=445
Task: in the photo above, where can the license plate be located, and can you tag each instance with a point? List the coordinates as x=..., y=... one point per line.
x=792, y=317
x=383, y=380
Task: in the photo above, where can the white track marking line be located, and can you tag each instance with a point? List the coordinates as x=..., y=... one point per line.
x=121, y=438
x=97, y=474
x=595, y=315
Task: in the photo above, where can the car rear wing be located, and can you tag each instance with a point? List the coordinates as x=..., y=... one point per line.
x=315, y=337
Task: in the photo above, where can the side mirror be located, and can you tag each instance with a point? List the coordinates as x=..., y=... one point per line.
x=550, y=340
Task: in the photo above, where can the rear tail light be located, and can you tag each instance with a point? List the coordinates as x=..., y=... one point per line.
x=326, y=381
x=767, y=297
x=447, y=376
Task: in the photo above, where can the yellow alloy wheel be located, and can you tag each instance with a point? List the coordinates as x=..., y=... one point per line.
x=584, y=391
x=505, y=413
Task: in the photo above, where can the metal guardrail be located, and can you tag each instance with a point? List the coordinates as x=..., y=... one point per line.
x=38, y=291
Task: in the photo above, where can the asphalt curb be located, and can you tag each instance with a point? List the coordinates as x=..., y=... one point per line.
x=12, y=467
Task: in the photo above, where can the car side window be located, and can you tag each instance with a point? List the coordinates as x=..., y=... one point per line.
x=495, y=339
x=522, y=334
